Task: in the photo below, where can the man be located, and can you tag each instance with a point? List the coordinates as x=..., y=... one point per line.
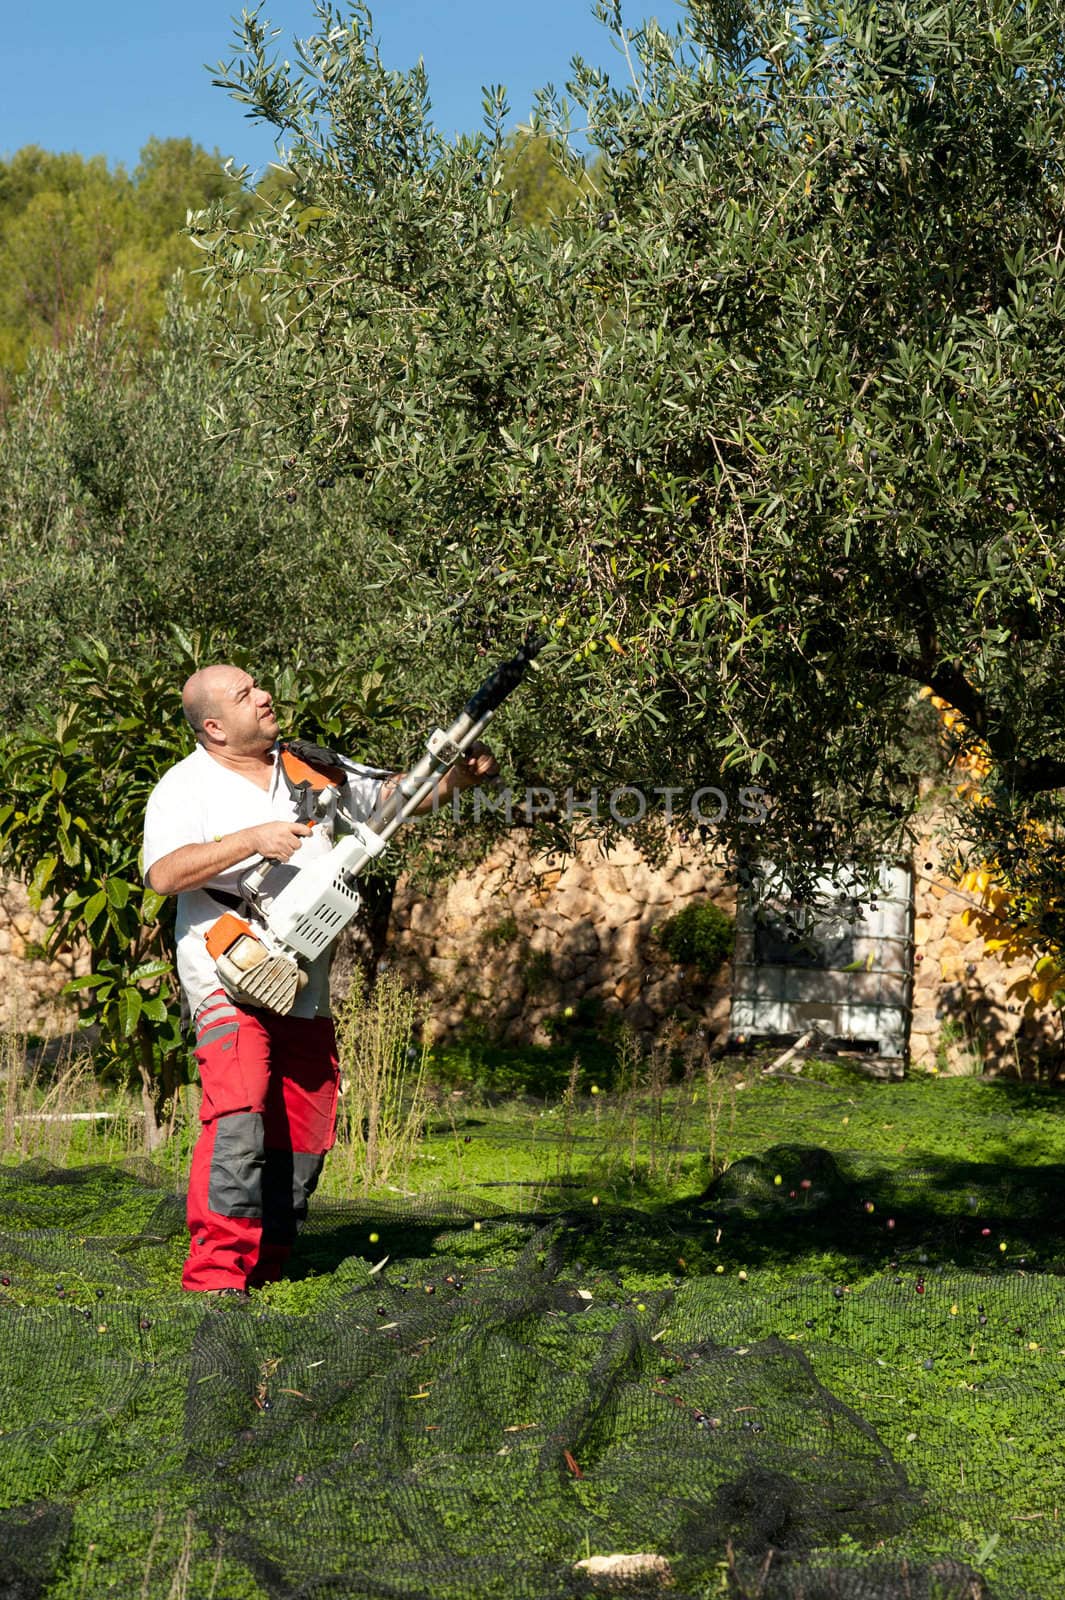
x=269, y=1082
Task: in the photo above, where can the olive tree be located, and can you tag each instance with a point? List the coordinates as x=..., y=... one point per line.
x=121, y=518
x=769, y=431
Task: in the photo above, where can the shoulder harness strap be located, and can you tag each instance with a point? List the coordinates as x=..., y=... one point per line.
x=308, y=769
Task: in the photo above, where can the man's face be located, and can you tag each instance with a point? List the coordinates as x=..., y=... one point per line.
x=244, y=714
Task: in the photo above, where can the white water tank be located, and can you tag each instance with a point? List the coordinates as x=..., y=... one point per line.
x=852, y=980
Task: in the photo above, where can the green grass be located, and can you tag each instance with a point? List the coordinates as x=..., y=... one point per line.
x=908, y=1263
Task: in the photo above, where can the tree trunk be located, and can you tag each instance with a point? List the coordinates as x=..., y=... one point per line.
x=150, y=1103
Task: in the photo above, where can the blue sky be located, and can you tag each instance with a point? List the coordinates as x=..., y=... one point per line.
x=102, y=79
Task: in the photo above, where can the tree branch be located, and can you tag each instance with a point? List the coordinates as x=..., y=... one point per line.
x=1027, y=774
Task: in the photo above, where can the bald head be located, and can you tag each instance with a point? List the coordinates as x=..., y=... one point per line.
x=202, y=696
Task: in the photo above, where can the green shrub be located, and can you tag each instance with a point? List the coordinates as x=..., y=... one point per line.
x=701, y=936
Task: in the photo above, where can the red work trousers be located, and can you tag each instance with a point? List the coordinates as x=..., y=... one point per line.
x=268, y=1116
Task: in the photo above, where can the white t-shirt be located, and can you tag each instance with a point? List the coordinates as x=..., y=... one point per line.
x=198, y=799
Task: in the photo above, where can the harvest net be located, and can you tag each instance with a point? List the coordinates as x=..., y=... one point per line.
x=493, y=1408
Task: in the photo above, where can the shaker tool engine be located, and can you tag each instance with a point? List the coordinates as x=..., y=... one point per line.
x=287, y=915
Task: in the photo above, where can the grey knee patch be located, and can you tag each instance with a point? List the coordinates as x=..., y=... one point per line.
x=289, y=1179
x=235, y=1188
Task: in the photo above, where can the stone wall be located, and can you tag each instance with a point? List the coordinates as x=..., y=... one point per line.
x=29, y=987
x=969, y=1007
x=511, y=946
x=514, y=944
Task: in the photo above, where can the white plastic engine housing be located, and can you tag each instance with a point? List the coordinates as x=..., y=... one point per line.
x=320, y=901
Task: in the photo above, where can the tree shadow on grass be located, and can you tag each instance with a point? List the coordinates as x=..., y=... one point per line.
x=798, y=1203
x=791, y=1204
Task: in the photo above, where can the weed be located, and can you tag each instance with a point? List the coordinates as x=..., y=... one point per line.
x=383, y=1055
x=653, y=1126
x=956, y=1048
x=564, y=1149
x=52, y=1113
